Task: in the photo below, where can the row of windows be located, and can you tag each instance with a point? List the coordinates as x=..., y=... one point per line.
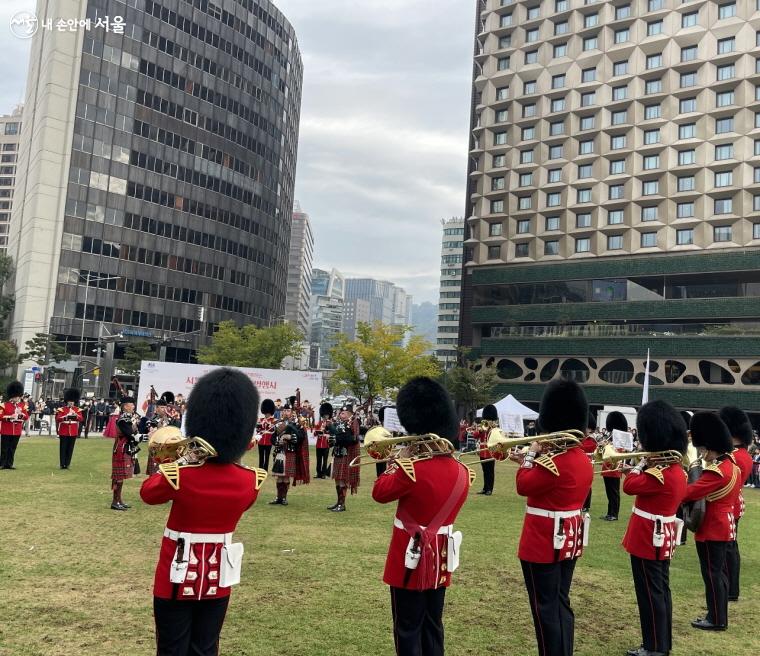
x=450, y=232
x=111, y=314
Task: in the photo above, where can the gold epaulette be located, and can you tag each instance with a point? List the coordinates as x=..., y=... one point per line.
x=260, y=474
x=472, y=475
x=657, y=473
x=407, y=466
x=727, y=488
x=170, y=471
x=548, y=463
x=714, y=468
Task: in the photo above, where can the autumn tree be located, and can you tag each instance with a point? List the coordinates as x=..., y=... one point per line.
x=134, y=355
x=251, y=346
x=471, y=386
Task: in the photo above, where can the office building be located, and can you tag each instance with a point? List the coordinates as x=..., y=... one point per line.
x=449, y=299
x=299, y=271
x=327, y=303
x=10, y=134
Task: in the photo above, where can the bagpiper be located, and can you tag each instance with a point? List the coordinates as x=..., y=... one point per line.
x=322, y=435
x=15, y=413
x=209, y=491
x=344, y=436
x=125, y=447
x=68, y=419
x=265, y=430
x=289, y=441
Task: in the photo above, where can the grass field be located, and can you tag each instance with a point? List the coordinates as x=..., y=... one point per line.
x=75, y=576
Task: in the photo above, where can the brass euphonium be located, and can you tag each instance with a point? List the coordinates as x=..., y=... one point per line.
x=167, y=445
x=381, y=446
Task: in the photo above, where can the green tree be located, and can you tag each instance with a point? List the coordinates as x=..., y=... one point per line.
x=377, y=362
x=251, y=346
x=8, y=350
x=134, y=354
x=43, y=349
x=470, y=388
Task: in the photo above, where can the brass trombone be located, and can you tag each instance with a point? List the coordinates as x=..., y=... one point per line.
x=381, y=446
x=506, y=444
x=608, y=455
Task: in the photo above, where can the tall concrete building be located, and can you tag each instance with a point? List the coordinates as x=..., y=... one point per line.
x=299, y=271
x=449, y=299
x=10, y=135
x=614, y=198
x=327, y=302
x=388, y=304
x=155, y=187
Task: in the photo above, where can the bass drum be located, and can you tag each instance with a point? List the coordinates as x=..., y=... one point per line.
x=694, y=511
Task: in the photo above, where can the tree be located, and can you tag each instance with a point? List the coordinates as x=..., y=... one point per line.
x=378, y=362
x=470, y=388
x=251, y=346
x=134, y=354
x=43, y=349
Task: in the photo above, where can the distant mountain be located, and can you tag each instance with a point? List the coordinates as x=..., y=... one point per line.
x=425, y=320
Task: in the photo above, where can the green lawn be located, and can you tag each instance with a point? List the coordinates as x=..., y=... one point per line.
x=75, y=576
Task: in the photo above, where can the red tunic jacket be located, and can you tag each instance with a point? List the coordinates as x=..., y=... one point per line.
x=546, y=491
x=68, y=426
x=718, y=523
x=265, y=429
x=211, y=499
x=322, y=437
x=14, y=416
x=654, y=498
x=422, y=500
x=744, y=463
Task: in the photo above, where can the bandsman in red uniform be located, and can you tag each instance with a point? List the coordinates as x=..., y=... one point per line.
x=489, y=420
x=654, y=530
x=589, y=446
x=199, y=561
x=424, y=548
x=741, y=434
x=719, y=486
x=265, y=430
x=15, y=413
x=125, y=447
x=611, y=473
x=344, y=435
x=555, y=529
x=67, y=420
x=290, y=462
x=322, y=435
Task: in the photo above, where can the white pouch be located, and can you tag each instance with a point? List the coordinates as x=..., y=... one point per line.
x=586, y=528
x=559, y=534
x=181, y=560
x=679, y=532
x=413, y=554
x=452, y=557
x=658, y=539
x=231, y=564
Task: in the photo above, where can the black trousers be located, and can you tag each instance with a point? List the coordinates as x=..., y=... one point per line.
x=8, y=444
x=418, y=621
x=712, y=561
x=549, y=595
x=612, y=488
x=189, y=628
x=733, y=564
x=651, y=580
x=489, y=469
x=264, y=456
x=66, y=449
x=587, y=502
x=322, y=461
x=100, y=423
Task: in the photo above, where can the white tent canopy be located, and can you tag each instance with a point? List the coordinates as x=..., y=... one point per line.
x=511, y=414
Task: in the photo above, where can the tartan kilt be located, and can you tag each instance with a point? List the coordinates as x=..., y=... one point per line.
x=122, y=465
x=342, y=473
x=290, y=464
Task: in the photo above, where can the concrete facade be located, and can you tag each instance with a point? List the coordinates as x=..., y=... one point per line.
x=299, y=271
x=10, y=138
x=449, y=297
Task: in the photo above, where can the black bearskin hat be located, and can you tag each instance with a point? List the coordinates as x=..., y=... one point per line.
x=167, y=398
x=71, y=394
x=292, y=401
x=14, y=389
x=127, y=398
x=326, y=410
x=424, y=406
x=490, y=413
x=222, y=409
x=661, y=427
x=709, y=431
x=267, y=407
x=563, y=406
x=738, y=424
x=616, y=421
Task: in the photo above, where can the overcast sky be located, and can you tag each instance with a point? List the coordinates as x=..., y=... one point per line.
x=383, y=141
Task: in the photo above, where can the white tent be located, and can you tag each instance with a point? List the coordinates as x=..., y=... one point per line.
x=511, y=414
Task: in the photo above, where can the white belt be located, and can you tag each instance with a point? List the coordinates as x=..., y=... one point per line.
x=654, y=518
x=444, y=530
x=195, y=538
x=552, y=514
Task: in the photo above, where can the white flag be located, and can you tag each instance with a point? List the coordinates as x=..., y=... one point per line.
x=645, y=394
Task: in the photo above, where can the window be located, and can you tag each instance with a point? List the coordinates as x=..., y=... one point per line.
x=497, y=184
x=652, y=111
x=554, y=175
x=756, y=203
x=588, y=99
x=531, y=57
x=533, y=12
x=727, y=10
x=529, y=110
x=756, y=174
x=685, y=237
x=650, y=187
x=505, y=20
x=617, y=142
x=653, y=86
x=529, y=133
x=648, y=239
x=620, y=117
x=621, y=36
x=757, y=147
x=561, y=5
x=531, y=35
x=588, y=75
x=726, y=72
x=494, y=229
x=685, y=210
x=505, y=41
x=586, y=147
x=726, y=45
x=11, y=128
x=616, y=192
x=584, y=195
x=724, y=98
x=555, y=152
x=558, y=81
x=583, y=220
x=560, y=28
x=614, y=242
x=582, y=245
x=557, y=105
x=521, y=250
x=614, y=217
x=502, y=93
x=685, y=183
x=498, y=161
x=525, y=180
x=654, y=61
x=501, y=115
x=587, y=123
x=620, y=93
x=584, y=170
x=552, y=247
x=649, y=213
x=724, y=151
x=497, y=206
x=523, y=226
x=622, y=12
x=591, y=20
x=686, y=157
x=651, y=162
x=560, y=50
x=687, y=131
x=686, y=105
x=652, y=136
x=502, y=63
x=499, y=138
x=553, y=199
x=723, y=206
x=524, y=202
x=617, y=166
x=590, y=43
x=757, y=92
x=620, y=68
x=494, y=252
x=722, y=233
x=688, y=53
x=654, y=5
x=690, y=19
x=529, y=87
x=723, y=178
x=552, y=223
x=688, y=79
x=723, y=125
x=654, y=28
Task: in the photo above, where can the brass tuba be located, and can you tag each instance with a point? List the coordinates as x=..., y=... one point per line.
x=381, y=446
x=168, y=445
